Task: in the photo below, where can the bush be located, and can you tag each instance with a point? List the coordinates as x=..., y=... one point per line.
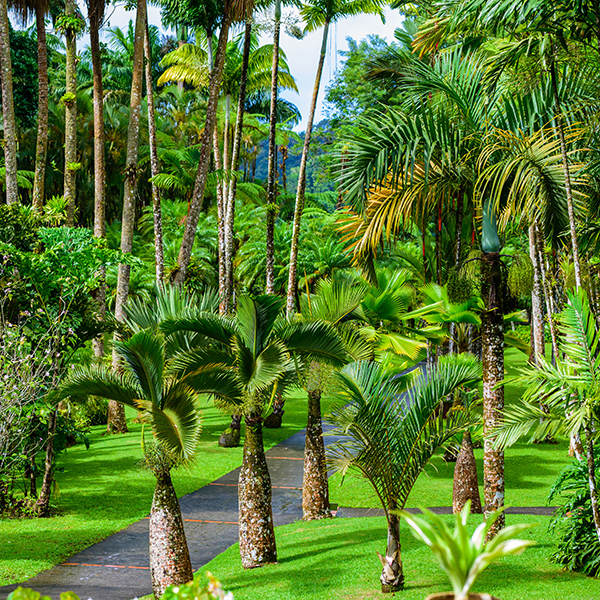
x=577, y=548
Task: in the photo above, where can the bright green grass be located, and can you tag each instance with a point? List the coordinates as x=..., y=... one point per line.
x=531, y=469
x=103, y=490
x=336, y=560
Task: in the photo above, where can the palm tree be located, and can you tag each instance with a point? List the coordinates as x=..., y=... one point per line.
x=568, y=390
x=116, y=421
x=337, y=302
x=318, y=13
x=250, y=359
x=392, y=436
x=167, y=403
x=71, y=26
x=232, y=11
x=8, y=110
x=96, y=10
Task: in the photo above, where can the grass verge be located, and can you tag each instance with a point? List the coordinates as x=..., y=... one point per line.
x=102, y=490
x=336, y=559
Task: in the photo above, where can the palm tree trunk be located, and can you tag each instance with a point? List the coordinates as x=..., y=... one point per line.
x=272, y=168
x=159, y=257
x=43, y=502
x=466, y=485
x=8, y=109
x=71, y=166
x=41, y=148
x=257, y=538
x=235, y=163
x=589, y=447
x=392, y=575
x=568, y=189
x=452, y=345
x=220, y=217
x=191, y=222
x=170, y=562
x=315, y=488
x=96, y=16
x=537, y=323
x=300, y=193
x=493, y=394
x=116, y=413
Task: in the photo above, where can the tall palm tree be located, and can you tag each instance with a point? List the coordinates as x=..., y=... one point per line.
x=392, y=436
x=316, y=14
x=71, y=26
x=250, y=359
x=169, y=405
x=8, y=109
x=116, y=421
x=232, y=11
x=96, y=10
x=569, y=391
x=272, y=154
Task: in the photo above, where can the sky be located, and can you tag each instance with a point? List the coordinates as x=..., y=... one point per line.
x=302, y=55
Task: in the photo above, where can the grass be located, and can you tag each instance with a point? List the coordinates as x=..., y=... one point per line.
x=336, y=560
x=530, y=469
x=103, y=490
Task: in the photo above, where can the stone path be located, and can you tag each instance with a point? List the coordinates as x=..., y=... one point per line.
x=118, y=567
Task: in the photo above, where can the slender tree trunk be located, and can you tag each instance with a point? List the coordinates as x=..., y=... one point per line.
x=537, y=321
x=550, y=306
x=191, y=222
x=452, y=345
x=589, y=451
x=170, y=562
x=284, y=155
x=220, y=218
x=116, y=413
x=493, y=394
x=43, y=502
x=568, y=189
x=8, y=109
x=71, y=166
x=41, y=148
x=392, y=575
x=96, y=16
x=159, y=257
x=272, y=168
x=257, y=538
x=235, y=163
x=315, y=488
x=300, y=193
x=466, y=485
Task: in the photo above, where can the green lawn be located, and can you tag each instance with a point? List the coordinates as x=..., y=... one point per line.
x=336, y=560
x=103, y=490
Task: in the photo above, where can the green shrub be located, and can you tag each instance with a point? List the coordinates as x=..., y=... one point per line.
x=577, y=548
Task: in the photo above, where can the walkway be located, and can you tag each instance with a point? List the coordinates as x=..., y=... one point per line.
x=117, y=568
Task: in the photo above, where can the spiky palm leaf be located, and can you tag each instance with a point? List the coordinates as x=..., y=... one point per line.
x=392, y=437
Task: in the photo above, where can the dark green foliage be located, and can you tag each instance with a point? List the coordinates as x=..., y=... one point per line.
x=18, y=226
x=577, y=548
x=520, y=275
x=460, y=288
x=23, y=53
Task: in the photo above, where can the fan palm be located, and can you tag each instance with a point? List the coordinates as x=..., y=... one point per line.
x=569, y=390
x=337, y=302
x=168, y=404
x=393, y=436
x=248, y=359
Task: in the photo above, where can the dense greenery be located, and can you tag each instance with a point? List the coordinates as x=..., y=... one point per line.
x=166, y=238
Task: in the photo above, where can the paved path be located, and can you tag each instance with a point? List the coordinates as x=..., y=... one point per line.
x=117, y=568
